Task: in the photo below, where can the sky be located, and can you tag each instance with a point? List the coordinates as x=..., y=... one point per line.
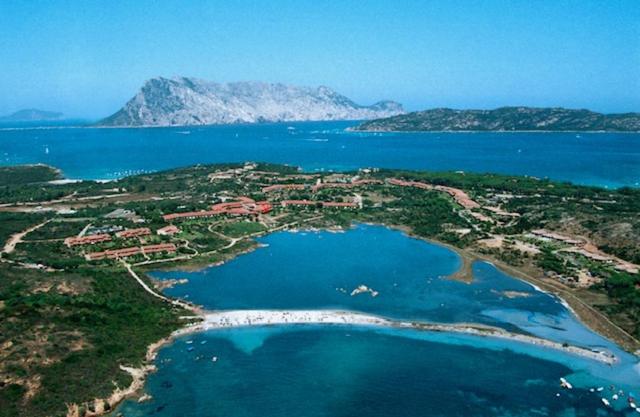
x=87, y=58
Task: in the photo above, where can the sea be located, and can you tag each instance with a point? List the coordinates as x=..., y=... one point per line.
x=335, y=371
x=603, y=159
x=366, y=371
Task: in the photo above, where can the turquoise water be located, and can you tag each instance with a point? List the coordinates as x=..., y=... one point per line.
x=315, y=270
x=606, y=159
x=341, y=371
x=358, y=371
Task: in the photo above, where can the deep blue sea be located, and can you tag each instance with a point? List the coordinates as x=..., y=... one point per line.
x=357, y=371
x=605, y=159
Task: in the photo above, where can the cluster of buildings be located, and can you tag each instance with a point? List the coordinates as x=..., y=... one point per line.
x=130, y=251
x=130, y=233
x=87, y=240
x=352, y=184
x=311, y=203
x=244, y=206
x=320, y=185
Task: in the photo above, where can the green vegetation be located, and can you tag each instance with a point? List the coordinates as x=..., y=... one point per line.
x=506, y=119
x=11, y=223
x=78, y=320
x=624, y=290
x=27, y=174
x=77, y=328
x=239, y=229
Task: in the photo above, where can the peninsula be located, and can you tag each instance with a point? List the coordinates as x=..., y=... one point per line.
x=505, y=119
x=77, y=304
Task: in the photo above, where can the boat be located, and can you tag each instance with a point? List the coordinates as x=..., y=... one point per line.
x=565, y=384
x=606, y=402
x=214, y=359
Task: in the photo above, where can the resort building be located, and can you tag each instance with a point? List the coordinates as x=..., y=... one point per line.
x=86, y=240
x=339, y=204
x=355, y=183
x=126, y=252
x=323, y=204
x=303, y=203
x=280, y=187
x=244, y=206
x=129, y=233
x=168, y=230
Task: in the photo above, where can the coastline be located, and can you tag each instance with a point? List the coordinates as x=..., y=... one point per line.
x=224, y=319
x=212, y=320
x=251, y=318
x=351, y=130
x=593, y=319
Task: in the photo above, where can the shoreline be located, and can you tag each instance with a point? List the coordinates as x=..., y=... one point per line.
x=351, y=130
x=253, y=318
x=585, y=314
x=226, y=319
x=213, y=320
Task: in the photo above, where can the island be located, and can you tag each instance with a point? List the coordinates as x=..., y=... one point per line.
x=81, y=320
x=183, y=101
x=505, y=119
x=31, y=115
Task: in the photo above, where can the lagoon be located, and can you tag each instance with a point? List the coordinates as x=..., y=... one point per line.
x=366, y=371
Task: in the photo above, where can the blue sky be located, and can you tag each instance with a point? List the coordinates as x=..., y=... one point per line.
x=86, y=58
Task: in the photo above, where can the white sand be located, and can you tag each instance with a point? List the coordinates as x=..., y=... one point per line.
x=242, y=318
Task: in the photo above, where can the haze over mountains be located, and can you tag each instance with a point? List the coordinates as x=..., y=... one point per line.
x=506, y=119
x=31, y=115
x=190, y=101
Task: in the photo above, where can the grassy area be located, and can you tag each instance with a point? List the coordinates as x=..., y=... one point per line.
x=242, y=228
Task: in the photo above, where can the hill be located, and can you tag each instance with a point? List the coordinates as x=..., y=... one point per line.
x=31, y=115
x=506, y=119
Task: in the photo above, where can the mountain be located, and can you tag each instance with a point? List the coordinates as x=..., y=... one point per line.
x=31, y=115
x=506, y=119
x=189, y=101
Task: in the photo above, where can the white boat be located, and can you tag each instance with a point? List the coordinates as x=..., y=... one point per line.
x=214, y=359
x=565, y=384
x=605, y=402
x=614, y=397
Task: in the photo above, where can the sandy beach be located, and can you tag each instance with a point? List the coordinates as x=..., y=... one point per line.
x=245, y=318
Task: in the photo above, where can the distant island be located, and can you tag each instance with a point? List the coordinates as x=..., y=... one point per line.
x=31, y=115
x=188, y=101
x=505, y=119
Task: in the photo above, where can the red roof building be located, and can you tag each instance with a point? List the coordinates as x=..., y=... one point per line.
x=168, y=230
x=129, y=233
x=243, y=207
x=339, y=204
x=86, y=240
x=278, y=187
x=135, y=250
